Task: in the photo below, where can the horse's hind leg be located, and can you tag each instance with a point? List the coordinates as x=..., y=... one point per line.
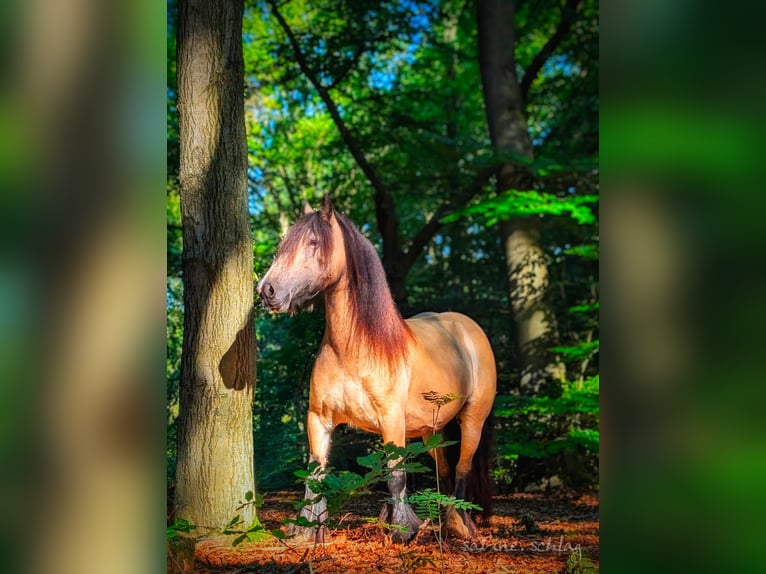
x=442, y=466
x=459, y=522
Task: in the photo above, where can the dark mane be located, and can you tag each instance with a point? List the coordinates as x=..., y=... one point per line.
x=376, y=317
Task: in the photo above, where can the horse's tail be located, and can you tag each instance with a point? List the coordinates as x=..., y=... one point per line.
x=478, y=488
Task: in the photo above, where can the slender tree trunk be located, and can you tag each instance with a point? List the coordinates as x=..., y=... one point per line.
x=215, y=432
x=527, y=267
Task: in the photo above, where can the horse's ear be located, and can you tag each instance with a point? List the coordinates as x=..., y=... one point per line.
x=326, y=207
x=307, y=208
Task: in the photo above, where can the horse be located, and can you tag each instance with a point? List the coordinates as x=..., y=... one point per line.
x=379, y=373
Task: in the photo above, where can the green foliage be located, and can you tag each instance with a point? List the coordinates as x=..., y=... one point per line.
x=516, y=203
x=252, y=533
x=571, y=353
x=584, y=251
x=255, y=532
x=584, y=308
x=337, y=488
x=302, y=521
x=428, y=503
x=579, y=401
x=578, y=563
x=387, y=526
x=179, y=528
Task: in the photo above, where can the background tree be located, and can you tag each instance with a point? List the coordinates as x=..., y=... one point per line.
x=506, y=92
x=504, y=96
x=215, y=433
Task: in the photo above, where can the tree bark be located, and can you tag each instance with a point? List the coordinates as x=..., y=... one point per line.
x=525, y=259
x=215, y=428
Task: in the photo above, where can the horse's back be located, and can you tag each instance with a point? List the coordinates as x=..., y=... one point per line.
x=452, y=357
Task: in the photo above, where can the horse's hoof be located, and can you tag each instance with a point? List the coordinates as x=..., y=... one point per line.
x=318, y=535
x=402, y=536
x=401, y=522
x=400, y=533
x=459, y=524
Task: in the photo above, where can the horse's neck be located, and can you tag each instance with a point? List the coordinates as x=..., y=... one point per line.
x=339, y=322
x=340, y=325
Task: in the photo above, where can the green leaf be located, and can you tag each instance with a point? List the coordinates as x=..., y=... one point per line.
x=587, y=308
x=577, y=351
x=433, y=441
x=589, y=252
x=302, y=521
x=180, y=526
x=234, y=521
x=372, y=460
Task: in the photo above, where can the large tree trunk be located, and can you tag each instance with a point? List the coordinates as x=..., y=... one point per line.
x=527, y=267
x=215, y=432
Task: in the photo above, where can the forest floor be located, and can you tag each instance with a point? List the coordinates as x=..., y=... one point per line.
x=556, y=531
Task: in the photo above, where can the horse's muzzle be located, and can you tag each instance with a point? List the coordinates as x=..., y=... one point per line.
x=268, y=295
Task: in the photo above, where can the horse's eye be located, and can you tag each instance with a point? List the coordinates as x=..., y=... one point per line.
x=313, y=243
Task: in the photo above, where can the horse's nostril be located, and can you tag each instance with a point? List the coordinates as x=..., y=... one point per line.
x=268, y=290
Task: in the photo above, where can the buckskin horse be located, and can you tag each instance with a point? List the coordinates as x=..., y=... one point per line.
x=374, y=370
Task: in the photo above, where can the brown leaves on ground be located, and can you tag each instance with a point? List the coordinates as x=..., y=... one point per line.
x=536, y=533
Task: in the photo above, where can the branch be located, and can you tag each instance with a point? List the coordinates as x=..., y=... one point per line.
x=568, y=13
x=349, y=65
x=384, y=204
x=428, y=231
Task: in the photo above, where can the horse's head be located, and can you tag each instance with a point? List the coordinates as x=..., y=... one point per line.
x=308, y=261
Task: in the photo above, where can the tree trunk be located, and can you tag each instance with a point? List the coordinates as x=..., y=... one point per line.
x=215, y=428
x=525, y=260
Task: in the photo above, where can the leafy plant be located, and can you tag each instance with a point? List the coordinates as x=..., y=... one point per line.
x=337, y=488
x=252, y=533
x=428, y=503
x=180, y=527
x=578, y=563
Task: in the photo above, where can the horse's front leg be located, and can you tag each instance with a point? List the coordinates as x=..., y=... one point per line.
x=396, y=511
x=315, y=506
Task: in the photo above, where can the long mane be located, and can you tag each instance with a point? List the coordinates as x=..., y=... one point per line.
x=376, y=319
